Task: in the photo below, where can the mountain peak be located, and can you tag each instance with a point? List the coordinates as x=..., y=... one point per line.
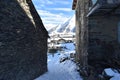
x=68, y=26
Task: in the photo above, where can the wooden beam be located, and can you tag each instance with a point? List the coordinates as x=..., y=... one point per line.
x=74, y=4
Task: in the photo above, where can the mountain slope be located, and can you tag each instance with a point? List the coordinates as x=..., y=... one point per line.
x=67, y=26
x=71, y=26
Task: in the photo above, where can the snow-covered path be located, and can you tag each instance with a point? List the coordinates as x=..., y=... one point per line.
x=66, y=70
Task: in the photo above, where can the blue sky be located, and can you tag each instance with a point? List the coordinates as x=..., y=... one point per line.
x=54, y=12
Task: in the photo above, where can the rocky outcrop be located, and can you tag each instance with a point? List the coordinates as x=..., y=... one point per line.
x=23, y=41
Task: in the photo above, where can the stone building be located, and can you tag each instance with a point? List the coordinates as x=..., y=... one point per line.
x=98, y=28
x=23, y=41
x=81, y=10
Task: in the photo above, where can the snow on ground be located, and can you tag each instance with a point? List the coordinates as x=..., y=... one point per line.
x=70, y=46
x=116, y=77
x=112, y=73
x=109, y=72
x=66, y=70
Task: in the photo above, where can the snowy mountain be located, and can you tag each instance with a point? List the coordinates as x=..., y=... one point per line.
x=52, y=29
x=71, y=26
x=62, y=26
x=67, y=26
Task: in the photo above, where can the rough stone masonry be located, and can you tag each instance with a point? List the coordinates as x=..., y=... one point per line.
x=23, y=41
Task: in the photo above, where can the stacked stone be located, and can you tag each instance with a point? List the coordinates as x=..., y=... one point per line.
x=23, y=41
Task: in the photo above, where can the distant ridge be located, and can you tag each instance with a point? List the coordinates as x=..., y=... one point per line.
x=67, y=26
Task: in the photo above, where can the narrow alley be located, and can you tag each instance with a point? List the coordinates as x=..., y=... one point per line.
x=59, y=39
x=66, y=70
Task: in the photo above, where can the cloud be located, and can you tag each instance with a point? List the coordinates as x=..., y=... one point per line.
x=51, y=18
x=45, y=1
x=52, y=2
x=62, y=2
x=61, y=9
x=51, y=11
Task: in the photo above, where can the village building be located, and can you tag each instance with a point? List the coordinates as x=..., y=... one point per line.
x=23, y=41
x=98, y=28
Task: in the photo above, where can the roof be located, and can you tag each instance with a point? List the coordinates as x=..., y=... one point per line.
x=74, y=4
x=105, y=7
x=37, y=19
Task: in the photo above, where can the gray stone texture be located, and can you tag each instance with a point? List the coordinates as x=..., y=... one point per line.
x=23, y=41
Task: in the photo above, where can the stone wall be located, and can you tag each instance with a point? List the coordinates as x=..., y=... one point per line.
x=104, y=28
x=103, y=39
x=23, y=41
x=82, y=31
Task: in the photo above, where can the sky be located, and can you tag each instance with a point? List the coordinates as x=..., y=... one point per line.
x=54, y=12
